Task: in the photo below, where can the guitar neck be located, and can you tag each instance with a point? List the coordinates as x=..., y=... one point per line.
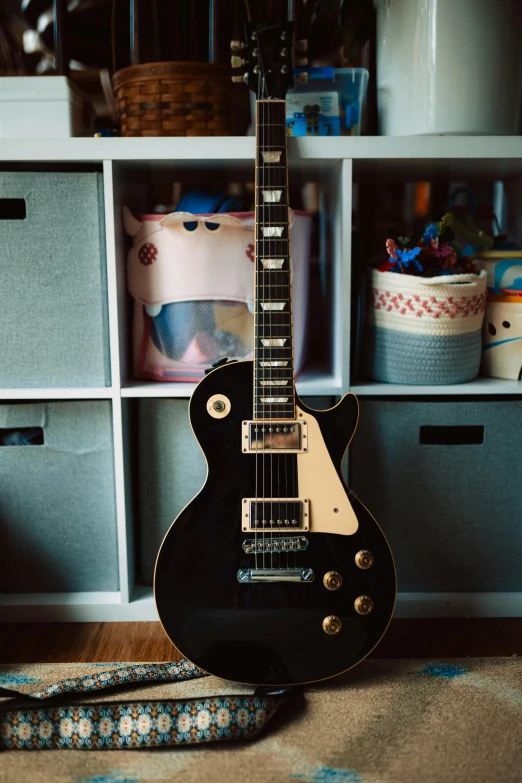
x=274, y=389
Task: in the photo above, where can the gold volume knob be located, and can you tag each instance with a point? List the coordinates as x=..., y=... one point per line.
x=364, y=559
x=363, y=604
x=332, y=625
x=332, y=580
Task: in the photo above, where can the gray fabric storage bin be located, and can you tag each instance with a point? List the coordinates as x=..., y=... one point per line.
x=57, y=500
x=172, y=469
x=452, y=513
x=53, y=318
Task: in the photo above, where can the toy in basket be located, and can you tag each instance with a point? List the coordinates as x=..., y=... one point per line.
x=192, y=281
x=502, y=334
x=423, y=325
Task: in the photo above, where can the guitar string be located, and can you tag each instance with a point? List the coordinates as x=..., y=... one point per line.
x=286, y=293
x=254, y=514
x=269, y=315
x=262, y=167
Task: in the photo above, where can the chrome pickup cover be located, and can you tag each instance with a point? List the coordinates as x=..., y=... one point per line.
x=275, y=575
x=277, y=514
x=274, y=437
x=270, y=544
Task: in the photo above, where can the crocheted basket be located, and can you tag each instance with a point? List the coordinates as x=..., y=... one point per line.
x=423, y=330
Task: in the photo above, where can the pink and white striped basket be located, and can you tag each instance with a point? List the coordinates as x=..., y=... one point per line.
x=192, y=281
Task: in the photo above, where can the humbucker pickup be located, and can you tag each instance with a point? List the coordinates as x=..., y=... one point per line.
x=269, y=544
x=274, y=437
x=277, y=514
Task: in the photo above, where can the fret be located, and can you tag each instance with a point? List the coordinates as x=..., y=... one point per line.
x=269, y=244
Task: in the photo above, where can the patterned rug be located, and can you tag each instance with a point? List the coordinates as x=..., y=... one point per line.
x=383, y=722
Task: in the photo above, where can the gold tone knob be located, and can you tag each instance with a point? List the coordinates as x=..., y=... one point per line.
x=363, y=604
x=364, y=559
x=332, y=580
x=332, y=625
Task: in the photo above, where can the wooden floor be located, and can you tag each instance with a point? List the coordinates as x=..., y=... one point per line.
x=113, y=642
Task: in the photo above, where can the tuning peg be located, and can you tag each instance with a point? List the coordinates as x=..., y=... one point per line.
x=302, y=45
x=237, y=46
x=300, y=61
x=302, y=78
x=237, y=62
x=239, y=78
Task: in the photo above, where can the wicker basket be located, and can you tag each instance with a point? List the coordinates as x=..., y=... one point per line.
x=180, y=99
x=421, y=330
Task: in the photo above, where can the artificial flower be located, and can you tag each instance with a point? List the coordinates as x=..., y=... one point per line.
x=430, y=232
x=391, y=247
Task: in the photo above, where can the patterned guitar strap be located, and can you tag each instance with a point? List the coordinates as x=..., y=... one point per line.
x=64, y=714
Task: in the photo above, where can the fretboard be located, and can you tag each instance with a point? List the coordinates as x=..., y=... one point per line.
x=274, y=393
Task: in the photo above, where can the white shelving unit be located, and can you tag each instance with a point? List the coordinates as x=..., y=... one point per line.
x=337, y=163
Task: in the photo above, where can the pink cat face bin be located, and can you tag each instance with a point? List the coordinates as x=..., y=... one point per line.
x=192, y=281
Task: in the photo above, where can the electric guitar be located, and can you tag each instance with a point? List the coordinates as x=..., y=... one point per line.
x=275, y=573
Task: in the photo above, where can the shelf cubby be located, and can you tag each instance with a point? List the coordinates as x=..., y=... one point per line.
x=344, y=167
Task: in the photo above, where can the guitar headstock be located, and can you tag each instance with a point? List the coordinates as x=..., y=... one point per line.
x=266, y=58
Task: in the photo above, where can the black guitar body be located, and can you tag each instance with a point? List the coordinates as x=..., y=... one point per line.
x=265, y=633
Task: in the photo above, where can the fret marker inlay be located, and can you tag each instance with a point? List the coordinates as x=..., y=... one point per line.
x=274, y=399
x=271, y=156
x=272, y=195
x=274, y=363
x=273, y=305
x=272, y=231
x=273, y=263
x=274, y=383
x=273, y=342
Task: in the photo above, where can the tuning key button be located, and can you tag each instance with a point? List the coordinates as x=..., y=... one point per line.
x=364, y=559
x=302, y=78
x=238, y=79
x=236, y=62
x=237, y=46
x=302, y=45
x=301, y=61
x=332, y=625
x=363, y=604
x=332, y=580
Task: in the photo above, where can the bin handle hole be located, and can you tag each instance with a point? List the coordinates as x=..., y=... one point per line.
x=21, y=436
x=456, y=435
x=12, y=209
